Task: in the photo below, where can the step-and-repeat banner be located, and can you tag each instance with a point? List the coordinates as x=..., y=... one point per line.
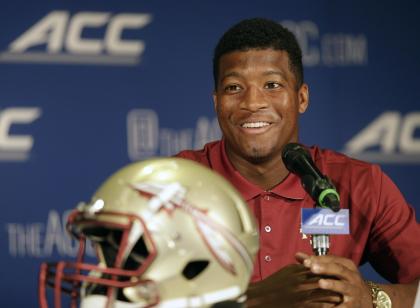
x=89, y=86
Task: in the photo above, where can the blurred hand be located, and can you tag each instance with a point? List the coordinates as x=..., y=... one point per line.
x=293, y=286
x=340, y=275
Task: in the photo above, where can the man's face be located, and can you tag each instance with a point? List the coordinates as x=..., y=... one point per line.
x=258, y=103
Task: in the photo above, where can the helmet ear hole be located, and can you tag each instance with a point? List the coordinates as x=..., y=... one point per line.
x=194, y=268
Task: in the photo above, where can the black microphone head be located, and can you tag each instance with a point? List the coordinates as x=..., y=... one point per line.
x=291, y=152
x=297, y=160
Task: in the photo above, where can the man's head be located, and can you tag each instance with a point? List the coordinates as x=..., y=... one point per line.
x=259, y=33
x=259, y=90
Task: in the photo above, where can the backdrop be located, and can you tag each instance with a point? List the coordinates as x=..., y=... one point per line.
x=89, y=86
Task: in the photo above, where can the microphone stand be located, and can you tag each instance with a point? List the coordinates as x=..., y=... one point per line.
x=320, y=244
x=298, y=160
x=328, y=198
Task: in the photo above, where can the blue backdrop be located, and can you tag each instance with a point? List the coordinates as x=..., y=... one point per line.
x=89, y=86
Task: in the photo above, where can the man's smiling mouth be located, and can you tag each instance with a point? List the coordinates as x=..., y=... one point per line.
x=258, y=124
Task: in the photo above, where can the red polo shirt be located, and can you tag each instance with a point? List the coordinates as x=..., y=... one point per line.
x=383, y=226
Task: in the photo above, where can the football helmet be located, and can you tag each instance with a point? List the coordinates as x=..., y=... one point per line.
x=167, y=232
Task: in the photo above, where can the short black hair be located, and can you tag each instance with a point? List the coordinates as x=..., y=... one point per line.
x=259, y=33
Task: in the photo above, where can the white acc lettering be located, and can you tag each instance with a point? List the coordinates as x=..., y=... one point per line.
x=16, y=147
x=51, y=31
x=316, y=220
x=393, y=134
x=327, y=220
x=75, y=43
x=65, y=38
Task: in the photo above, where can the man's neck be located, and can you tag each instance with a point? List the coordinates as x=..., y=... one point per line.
x=265, y=174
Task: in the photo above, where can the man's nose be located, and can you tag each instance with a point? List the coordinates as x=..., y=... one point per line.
x=253, y=99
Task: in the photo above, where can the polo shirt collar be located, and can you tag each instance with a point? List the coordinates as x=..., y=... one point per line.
x=289, y=188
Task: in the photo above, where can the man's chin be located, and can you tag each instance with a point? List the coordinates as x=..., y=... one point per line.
x=258, y=156
x=257, y=160
x=254, y=154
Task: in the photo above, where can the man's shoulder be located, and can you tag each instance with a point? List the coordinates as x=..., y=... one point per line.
x=332, y=161
x=334, y=157
x=204, y=155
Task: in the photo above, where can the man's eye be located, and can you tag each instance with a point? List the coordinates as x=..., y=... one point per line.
x=232, y=88
x=272, y=85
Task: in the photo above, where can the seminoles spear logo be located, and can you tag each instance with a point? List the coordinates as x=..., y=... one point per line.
x=171, y=197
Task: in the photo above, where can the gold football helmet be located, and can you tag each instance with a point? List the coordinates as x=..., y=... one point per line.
x=168, y=232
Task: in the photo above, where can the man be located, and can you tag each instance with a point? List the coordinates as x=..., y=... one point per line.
x=259, y=94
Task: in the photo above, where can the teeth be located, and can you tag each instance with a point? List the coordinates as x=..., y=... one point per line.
x=255, y=124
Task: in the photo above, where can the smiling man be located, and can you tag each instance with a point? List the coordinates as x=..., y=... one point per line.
x=258, y=97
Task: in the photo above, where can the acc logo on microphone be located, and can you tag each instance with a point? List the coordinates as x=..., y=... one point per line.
x=325, y=221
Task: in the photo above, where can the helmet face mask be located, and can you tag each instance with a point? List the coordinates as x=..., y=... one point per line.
x=120, y=264
x=167, y=233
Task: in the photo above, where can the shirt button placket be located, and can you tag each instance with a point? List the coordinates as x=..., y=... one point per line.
x=266, y=198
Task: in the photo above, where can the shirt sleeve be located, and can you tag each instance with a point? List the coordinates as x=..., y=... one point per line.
x=394, y=241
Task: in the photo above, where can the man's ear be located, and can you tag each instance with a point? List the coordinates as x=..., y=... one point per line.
x=303, y=97
x=214, y=100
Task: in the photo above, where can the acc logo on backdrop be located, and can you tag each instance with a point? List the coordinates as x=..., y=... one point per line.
x=40, y=240
x=328, y=49
x=146, y=139
x=61, y=34
x=15, y=147
x=390, y=138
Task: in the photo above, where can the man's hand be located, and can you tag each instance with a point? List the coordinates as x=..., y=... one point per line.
x=343, y=277
x=292, y=286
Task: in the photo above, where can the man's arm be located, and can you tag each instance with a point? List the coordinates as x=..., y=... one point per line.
x=402, y=295
x=347, y=280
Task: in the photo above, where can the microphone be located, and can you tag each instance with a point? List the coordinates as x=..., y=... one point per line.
x=298, y=160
